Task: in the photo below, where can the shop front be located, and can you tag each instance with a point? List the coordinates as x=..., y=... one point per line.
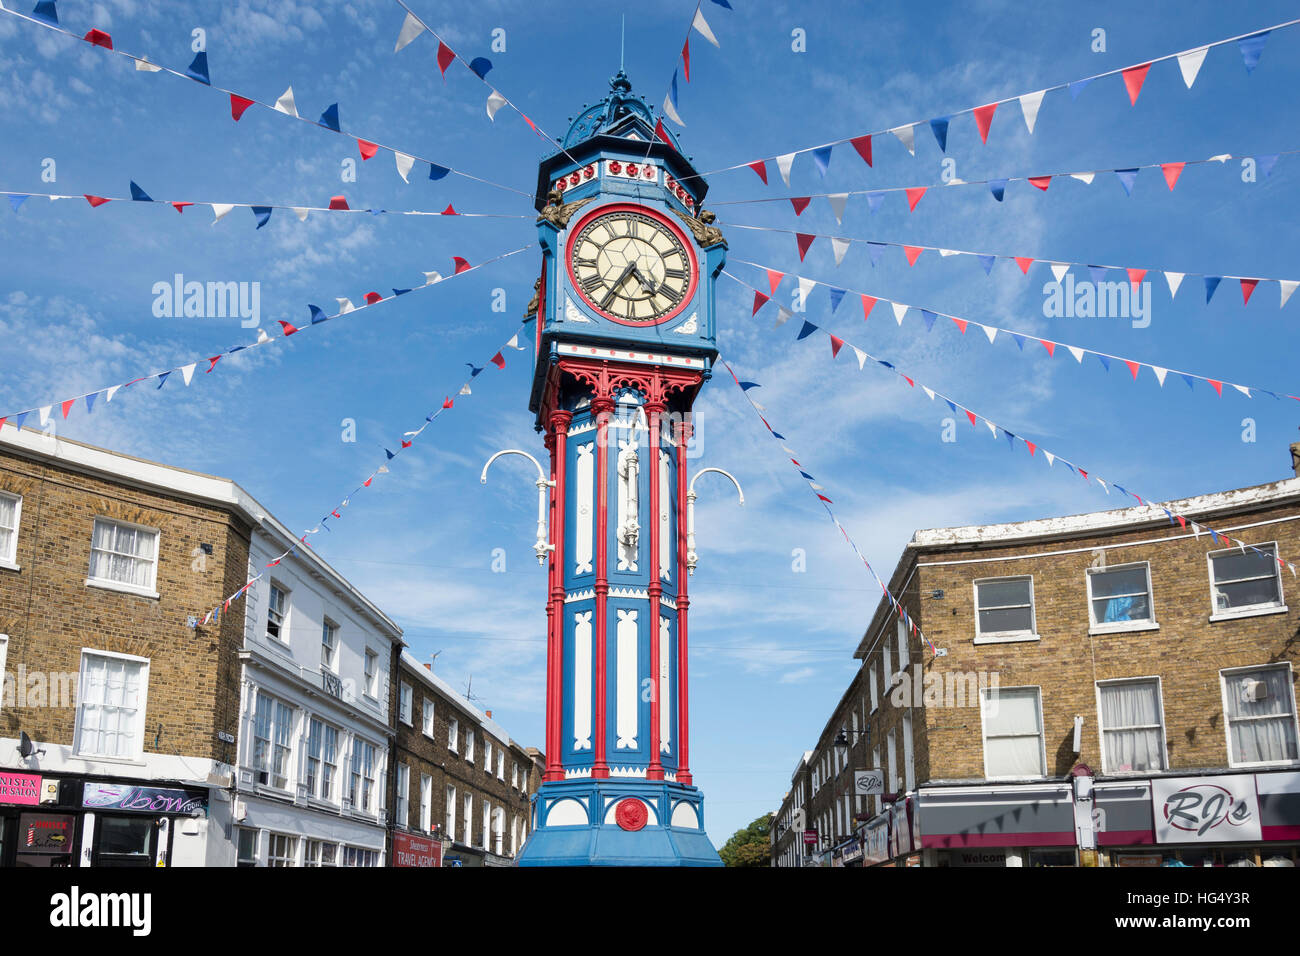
x=999, y=825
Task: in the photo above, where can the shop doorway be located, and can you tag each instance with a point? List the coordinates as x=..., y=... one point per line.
x=125, y=841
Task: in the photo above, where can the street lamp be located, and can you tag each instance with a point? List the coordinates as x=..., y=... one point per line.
x=842, y=740
x=691, y=557
x=541, y=547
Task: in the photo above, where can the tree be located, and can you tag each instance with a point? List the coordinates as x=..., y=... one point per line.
x=751, y=846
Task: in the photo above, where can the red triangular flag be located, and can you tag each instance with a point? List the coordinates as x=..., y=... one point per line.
x=95, y=200
x=1181, y=521
x=804, y=240
x=825, y=499
x=960, y=323
x=212, y=362
x=450, y=211
x=1172, y=171
x=338, y=202
x=863, y=145
x=1135, y=276
x=180, y=206
x=662, y=133
x=1024, y=264
x=1032, y=447
x=908, y=380
x=461, y=264
x=1042, y=182
x=288, y=328
x=445, y=56
x=760, y=167
x=774, y=279
x=971, y=416
x=99, y=38
x=366, y=483
x=367, y=149
x=836, y=345
x=1133, y=367
x=237, y=105
x=686, y=58
x=498, y=360
x=405, y=444
x=373, y=297
x=67, y=406
x=1083, y=474
x=759, y=301
x=913, y=253
x=1050, y=346
x=447, y=402
x=914, y=196
x=868, y=303
x=983, y=117
x=800, y=203
x=1133, y=79
x=1218, y=386
x=1247, y=287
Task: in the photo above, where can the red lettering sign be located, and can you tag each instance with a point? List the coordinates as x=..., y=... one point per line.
x=416, y=851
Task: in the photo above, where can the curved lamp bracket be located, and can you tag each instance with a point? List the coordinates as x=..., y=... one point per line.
x=692, y=559
x=541, y=547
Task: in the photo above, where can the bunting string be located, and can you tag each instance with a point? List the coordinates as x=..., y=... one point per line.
x=46, y=15
x=997, y=431
x=1126, y=176
x=670, y=103
x=826, y=503
x=1096, y=272
x=902, y=310
x=407, y=440
x=1251, y=46
x=318, y=316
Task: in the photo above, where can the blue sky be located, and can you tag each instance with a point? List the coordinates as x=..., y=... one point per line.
x=772, y=646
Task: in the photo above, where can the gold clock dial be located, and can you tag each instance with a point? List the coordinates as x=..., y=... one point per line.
x=631, y=266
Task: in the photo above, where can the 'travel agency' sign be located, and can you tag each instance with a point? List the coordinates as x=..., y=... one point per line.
x=409, y=850
x=1205, y=809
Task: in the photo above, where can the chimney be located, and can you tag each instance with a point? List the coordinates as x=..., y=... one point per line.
x=429, y=668
x=489, y=713
x=1295, y=458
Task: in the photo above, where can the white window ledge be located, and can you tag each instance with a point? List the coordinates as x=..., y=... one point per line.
x=8, y=565
x=1249, y=612
x=123, y=588
x=101, y=758
x=1005, y=638
x=1123, y=627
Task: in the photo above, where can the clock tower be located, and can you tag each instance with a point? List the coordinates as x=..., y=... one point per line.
x=625, y=340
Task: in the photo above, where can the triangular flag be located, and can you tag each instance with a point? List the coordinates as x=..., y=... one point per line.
x=237, y=106
x=317, y=314
x=1085, y=178
x=330, y=118
x=1135, y=277
x=289, y=329
x=1211, y=283
x=67, y=406
x=960, y=323
x=1127, y=177
x=1160, y=374
x=1078, y=86
x=838, y=201
x=1050, y=346
x=807, y=330
x=840, y=247
x=494, y=103
x=914, y=195
x=144, y=66
x=686, y=58
x=1251, y=47
x=874, y=199
x=338, y=202
x=187, y=372
x=95, y=201
x=262, y=214
x=783, y=164
x=99, y=38
x=1040, y=182
x=445, y=58
x=760, y=168
x=861, y=356
x=1077, y=352
x=900, y=310
x=912, y=253
x=1098, y=273
x=805, y=288
x=411, y=28
x=759, y=301
x=481, y=66
x=1024, y=262
x=367, y=149
x=1175, y=279
x=285, y=103
x=162, y=379
x=1172, y=171
x=837, y=295
x=1059, y=269
x=928, y=318
x=983, y=117
x=437, y=172
x=1266, y=163
x=800, y=203
x=1134, y=76
x=907, y=136
x=998, y=187
x=1287, y=287
x=1247, y=287
x=876, y=250
x=301, y=212
x=1189, y=64
x=404, y=164
x=774, y=279
x=138, y=194
x=939, y=125
x=986, y=262
x=345, y=306
x=783, y=315
x=836, y=345
x=219, y=210
x=863, y=145
x=498, y=360
x=46, y=12
x=1133, y=367
x=702, y=26
x=804, y=241
x=461, y=265
x=373, y=297
x=822, y=159
x=110, y=392
x=990, y=331
x=198, y=68
x=1029, y=104
x=868, y=303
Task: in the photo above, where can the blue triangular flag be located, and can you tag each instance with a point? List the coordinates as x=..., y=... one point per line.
x=837, y=295
x=436, y=172
x=808, y=476
x=138, y=194
x=822, y=159
x=16, y=201
x=481, y=65
x=1127, y=177
x=1266, y=163
x=672, y=91
x=330, y=118
x=317, y=313
x=1020, y=340
x=22, y=416
x=90, y=401
x=400, y=291
x=776, y=434
x=1214, y=535
x=1077, y=87
x=874, y=200
x=46, y=12
x=723, y=3
x=198, y=70
x=940, y=126
x=473, y=372
x=807, y=330
x=884, y=363
x=928, y=317
x=746, y=386
x=162, y=379
x=390, y=455
x=374, y=212
x=876, y=249
x=1121, y=490
x=1191, y=382
x=1098, y=273
x=1066, y=464
x=262, y=214
x=1105, y=362
x=986, y=262
x=1011, y=439
x=1169, y=514
x=998, y=188
x=1211, y=283
x=1251, y=47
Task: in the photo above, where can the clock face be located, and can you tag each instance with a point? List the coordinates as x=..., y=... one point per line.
x=631, y=266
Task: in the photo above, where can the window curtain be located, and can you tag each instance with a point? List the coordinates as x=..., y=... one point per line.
x=110, y=700
x=1127, y=710
x=1262, y=730
x=1013, y=738
x=8, y=511
x=122, y=554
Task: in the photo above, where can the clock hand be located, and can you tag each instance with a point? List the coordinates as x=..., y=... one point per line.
x=646, y=284
x=616, y=285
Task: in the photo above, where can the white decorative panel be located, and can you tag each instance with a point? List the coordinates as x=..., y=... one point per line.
x=684, y=816
x=567, y=813
x=626, y=687
x=582, y=680
x=665, y=711
x=652, y=818
x=629, y=504
x=586, y=501
x=665, y=539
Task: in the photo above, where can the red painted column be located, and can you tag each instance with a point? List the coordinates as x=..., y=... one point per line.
x=602, y=405
x=557, y=442
x=683, y=606
x=655, y=589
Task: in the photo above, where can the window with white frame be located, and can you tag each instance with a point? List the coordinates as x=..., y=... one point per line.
x=272, y=740
x=322, y=759
x=405, y=701
x=892, y=750
x=320, y=853
x=514, y=764
x=469, y=744
x=1260, y=715
x=112, y=690
x=501, y=765
x=426, y=717
x=1120, y=596
x=1243, y=579
x=282, y=850
x=402, y=811
x=909, y=754
x=450, y=822
x=487, y=815
x=246, y=846
x=426, y=803
x=329, y=646
x=487, y=753
x=277, y=613
x=875, y=763
x=903, y=657
x=875, y=691
x=1012, y=719
x=11, y=509
x=468, y=818
x=1131, y=717
x=361, y=787
x=358, y=856
x=453, y=733
x=123, y=555
x=372, y=674
x=1004, y=608
x=4, y=651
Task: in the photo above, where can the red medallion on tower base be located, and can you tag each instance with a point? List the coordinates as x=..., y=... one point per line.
x=631, y=814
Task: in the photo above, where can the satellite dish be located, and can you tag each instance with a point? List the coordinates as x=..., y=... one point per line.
x=25, y=746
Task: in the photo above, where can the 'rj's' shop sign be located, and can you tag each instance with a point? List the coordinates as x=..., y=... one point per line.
x=1206, y=809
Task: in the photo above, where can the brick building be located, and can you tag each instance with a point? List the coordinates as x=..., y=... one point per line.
x=1113, y=688
x=459, y=780
x=791, y=818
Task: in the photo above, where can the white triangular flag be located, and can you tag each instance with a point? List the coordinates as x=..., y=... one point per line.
x=219, y=209
x=993, y=429
x=1175, y=279
x=783, y=315
x=783, y=163
x=1288, y=286
x=805, y=287
x=759, y=406
x=841, y=246
x=702, y=25
x=907, y=136
x=1196, y=529
x=514, y=343
x=816, y=487
x=262, y=336
x=285, y=103
x=431, y=277
x=838, y=202
x=948, y=252
x=187, y=372
x=144, y=66
x=1084, y=177
x=671, y=112
x=301, y=212
x=108, y=395
x=404, y=164
x=464, y=390
x=383, y=470
x=1029, y=104
x=1059, y=269
x=990, y=331
x=345, y=306
x=1104, y=487
x=1160, y=374
x=1076, y=352
x=1221, y=158
x=1050, y=457
x=45, y=414
x=411, y=28
x=928, y=391
x=494, y=102
x=1190, y=64
x=1243, y=389
x=900, y=310
x=862, y=356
